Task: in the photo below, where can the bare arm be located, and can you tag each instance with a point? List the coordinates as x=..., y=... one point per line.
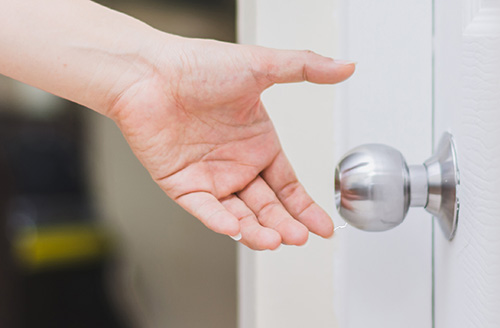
x=76, y=49
x=190, y=109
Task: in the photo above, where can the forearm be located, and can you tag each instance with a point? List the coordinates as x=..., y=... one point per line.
x=75, y=49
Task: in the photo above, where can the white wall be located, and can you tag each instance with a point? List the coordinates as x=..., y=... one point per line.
x=293, y=287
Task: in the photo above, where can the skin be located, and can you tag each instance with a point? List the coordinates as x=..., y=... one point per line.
x=190, y=110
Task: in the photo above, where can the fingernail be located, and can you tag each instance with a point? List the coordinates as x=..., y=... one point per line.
x=345, y=62
x=237, y=237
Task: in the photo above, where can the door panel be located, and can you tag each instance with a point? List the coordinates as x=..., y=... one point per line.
x=467, y=52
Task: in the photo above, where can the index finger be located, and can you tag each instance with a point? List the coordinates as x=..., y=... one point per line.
x=282, y=179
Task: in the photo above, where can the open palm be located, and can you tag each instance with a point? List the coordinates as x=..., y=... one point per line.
x=197, y=123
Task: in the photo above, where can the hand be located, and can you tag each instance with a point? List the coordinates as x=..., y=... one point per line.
x=197, y=123
x=190, y=109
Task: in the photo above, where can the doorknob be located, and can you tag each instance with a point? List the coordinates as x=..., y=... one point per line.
x=374, y=187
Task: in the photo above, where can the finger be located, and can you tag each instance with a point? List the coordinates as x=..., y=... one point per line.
x=281, y=178
x=210, y=212
x=259, y=197
x=284, y=66
x=253, y=234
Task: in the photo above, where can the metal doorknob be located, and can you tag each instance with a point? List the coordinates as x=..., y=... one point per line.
x=374, y=187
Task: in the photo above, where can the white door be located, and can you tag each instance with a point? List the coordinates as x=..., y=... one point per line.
x=467, y=93
x=425, y=67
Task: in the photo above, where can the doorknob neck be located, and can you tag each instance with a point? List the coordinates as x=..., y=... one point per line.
x=419, y=188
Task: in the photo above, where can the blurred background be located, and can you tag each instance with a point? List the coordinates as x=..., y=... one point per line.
x=87, y=239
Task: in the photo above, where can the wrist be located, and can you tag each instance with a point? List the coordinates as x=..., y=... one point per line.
x=124, y=68
x=152, y=69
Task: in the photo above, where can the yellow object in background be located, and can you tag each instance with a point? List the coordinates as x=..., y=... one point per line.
x=59, y=245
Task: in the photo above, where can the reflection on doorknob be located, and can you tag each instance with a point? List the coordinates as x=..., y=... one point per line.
x=374, y=187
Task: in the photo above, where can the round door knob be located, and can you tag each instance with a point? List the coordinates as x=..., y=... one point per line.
x=374, y=187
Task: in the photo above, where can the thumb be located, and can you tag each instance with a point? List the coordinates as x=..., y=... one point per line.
x=285, y=66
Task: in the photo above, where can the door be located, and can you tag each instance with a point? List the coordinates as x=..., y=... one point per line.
x=467, y=93
x=424, y=67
